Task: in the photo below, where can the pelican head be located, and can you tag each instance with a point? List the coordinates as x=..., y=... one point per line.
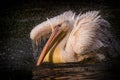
x=58, y=27
x=59, y=32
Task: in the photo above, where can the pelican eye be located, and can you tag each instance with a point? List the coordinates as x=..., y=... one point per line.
x=59, y=25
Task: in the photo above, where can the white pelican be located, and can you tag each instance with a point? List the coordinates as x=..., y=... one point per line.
x=75, y=38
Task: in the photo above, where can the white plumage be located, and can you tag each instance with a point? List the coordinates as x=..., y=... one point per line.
x=38, y=31
x=87, y=35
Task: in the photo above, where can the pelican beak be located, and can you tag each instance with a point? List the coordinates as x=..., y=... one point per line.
x=55, y=36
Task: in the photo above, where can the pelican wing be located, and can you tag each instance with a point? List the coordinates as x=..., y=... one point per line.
x=89, y=33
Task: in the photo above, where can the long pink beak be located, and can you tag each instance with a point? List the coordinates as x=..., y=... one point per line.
x=49, y=44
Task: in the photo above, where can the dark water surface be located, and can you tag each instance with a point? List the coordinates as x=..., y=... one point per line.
x=16, y=54
x=78, y=71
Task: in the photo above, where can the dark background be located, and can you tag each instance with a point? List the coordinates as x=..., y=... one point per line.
x=18, y=17
x=13, y=5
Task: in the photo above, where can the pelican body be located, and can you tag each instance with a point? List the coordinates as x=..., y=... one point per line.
x=75, y=38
